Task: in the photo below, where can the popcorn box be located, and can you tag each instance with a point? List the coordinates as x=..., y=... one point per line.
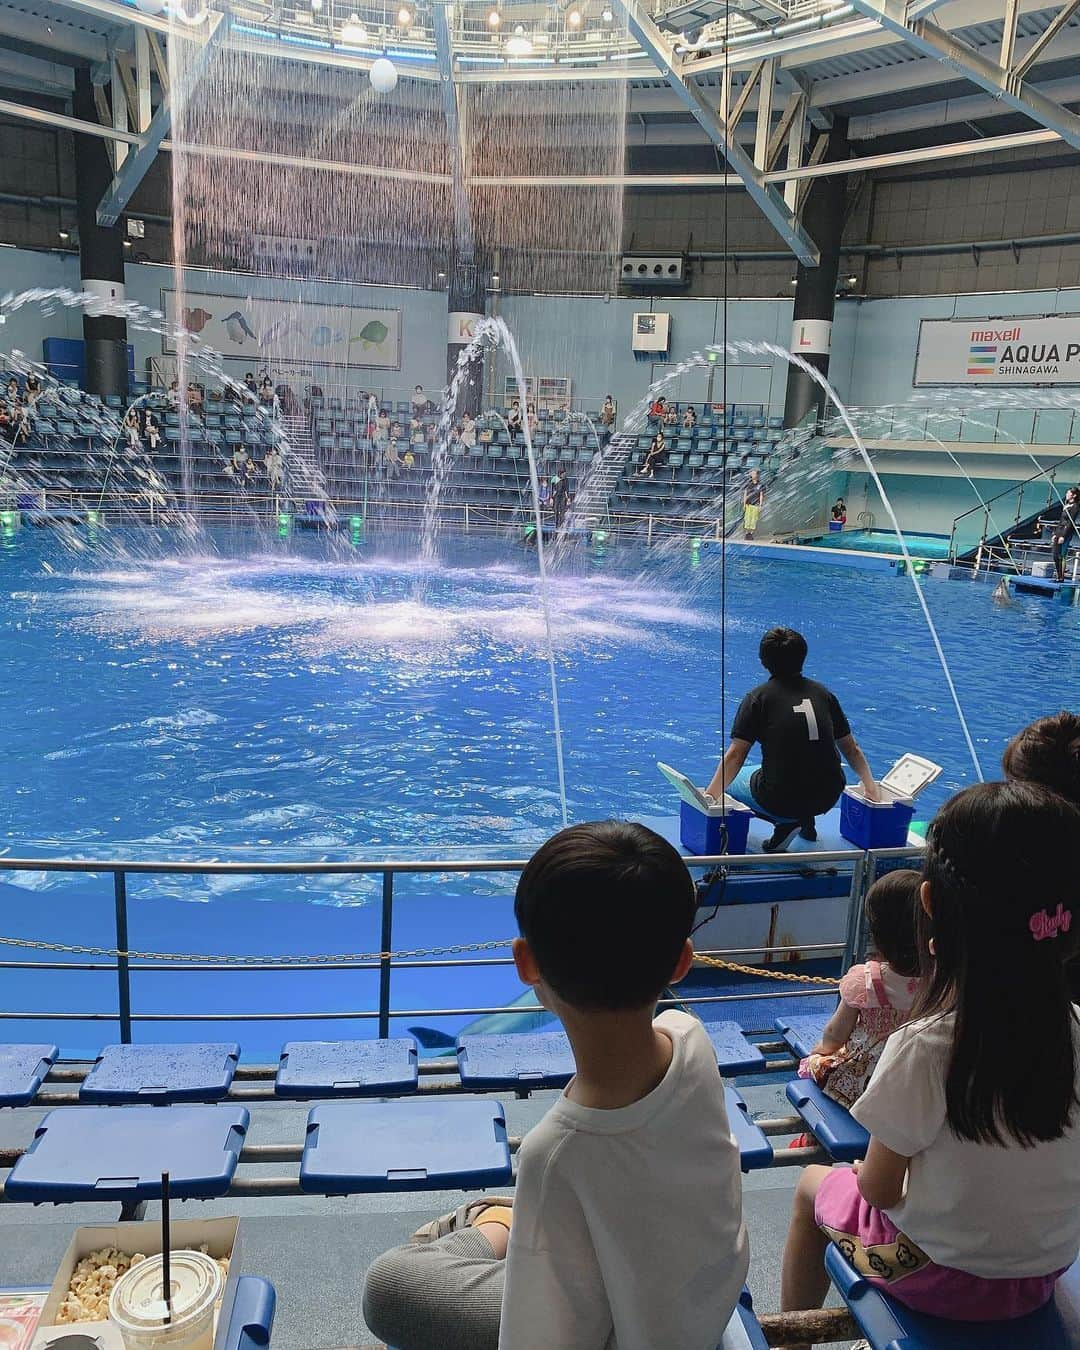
x=221, y=1237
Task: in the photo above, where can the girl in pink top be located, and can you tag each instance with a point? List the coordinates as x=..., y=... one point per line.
x=875, y=997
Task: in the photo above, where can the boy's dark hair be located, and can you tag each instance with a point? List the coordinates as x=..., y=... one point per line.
x=782, y=652
x=892, y=905
x=1047, y=752
x=999, y=862
x=606, y=908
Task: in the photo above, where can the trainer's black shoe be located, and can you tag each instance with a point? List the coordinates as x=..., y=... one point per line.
x=781, y=836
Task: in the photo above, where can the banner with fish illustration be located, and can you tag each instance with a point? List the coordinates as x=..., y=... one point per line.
x=257, y=330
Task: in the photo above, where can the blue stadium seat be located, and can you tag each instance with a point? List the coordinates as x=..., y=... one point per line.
x=888, y=1325
x=247, y=1315
x=734, y=1053
x=120, y=1152
x=163, y=1073
x=830, y=1123
x=518, y=1061
x=433, y=1144
x=744, y=1331
x=801, y=1033
x=346, y=1068
x=22, y=1071
x=754, y=1148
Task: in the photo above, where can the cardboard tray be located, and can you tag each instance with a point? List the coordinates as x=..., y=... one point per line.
x=221, y=1236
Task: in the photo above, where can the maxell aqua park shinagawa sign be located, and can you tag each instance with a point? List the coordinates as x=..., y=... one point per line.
x=999, y=351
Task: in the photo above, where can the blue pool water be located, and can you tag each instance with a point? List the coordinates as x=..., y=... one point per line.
x=883, y=541
x=322, y=702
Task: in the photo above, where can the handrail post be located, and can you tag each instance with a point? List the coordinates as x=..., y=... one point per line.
x=386, y=940
x=123, y=973
x=862, y=875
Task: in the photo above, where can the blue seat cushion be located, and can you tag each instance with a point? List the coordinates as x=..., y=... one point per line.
x=888, y=1325
x=411, y=1145
x=22, y=1071
x=346, y=1068
x=120, y=1152
x=754, y=1148
x=522, y=1062
x=162, y=1073
x=801, y=1033
x=830, y=1123
x=734, y=1053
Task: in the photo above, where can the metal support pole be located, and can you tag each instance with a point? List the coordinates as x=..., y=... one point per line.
x=855, y=935
x=386, y=940
x=123, y=974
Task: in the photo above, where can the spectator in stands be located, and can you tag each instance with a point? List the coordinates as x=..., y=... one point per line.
x=967, y=1205
x=152, y=429
x=289, y=405
x=12, y=391
x=655, y=456
x=20, y=421
x=32, y=389
x=607, y=412
x=249, y=384
x=275, y=468
x=372, y=416
x=560, y=497
x=583, y=1256
x=132, y=429
x=802, y=731
x=689, y=418
x=513, y=420
x=393, y=459
x=1064, y=532
x=876, y=996
x=530, y=415
x=420, y=401
x=657, y=410
x=408, y=460
x=173, y=394
x=839, y=512
x=6, y=425
x=382, y=429
x=238, y=466
x=671, y=416
x=268, y=398
x=468, y=431
x=753, y=499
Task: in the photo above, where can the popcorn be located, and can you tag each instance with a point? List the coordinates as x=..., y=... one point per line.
x=92, y=1280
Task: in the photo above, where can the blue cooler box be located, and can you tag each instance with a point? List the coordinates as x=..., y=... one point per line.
x=875, y=824
x=700, y=832
x=835, y=526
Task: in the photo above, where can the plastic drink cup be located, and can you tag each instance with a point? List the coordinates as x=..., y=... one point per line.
x=138, y=1308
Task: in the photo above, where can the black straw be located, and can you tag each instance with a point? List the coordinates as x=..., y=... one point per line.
x=166, y=1273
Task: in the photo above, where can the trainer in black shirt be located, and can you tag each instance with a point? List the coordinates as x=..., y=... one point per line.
x=802, y=731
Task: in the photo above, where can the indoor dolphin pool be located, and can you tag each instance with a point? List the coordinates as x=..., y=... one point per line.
x=305, y=697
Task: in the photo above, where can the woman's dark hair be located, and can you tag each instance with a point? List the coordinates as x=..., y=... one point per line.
x=999, y=863
x=782, y=652
x=606, y=908
x=892, y=906
x=1047, y=752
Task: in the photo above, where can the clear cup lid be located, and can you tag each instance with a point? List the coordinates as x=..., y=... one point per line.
x=137, y=1302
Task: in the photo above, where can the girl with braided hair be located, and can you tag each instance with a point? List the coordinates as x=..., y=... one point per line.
x=968, y=1203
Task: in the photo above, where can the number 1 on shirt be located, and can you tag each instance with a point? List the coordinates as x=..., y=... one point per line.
x=807, y=710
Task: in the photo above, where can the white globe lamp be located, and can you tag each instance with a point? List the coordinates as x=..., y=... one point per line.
x=383, y=75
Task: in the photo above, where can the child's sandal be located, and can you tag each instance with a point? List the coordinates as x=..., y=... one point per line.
x=488, y=1209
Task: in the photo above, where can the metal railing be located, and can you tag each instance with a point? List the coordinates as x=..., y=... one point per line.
x=1020, y=427
x=864, y=866
x=1045, y=478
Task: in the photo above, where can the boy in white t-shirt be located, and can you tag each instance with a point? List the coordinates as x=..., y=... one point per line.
x=626, y=1232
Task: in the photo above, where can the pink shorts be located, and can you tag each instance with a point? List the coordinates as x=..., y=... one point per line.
x=885, y=1257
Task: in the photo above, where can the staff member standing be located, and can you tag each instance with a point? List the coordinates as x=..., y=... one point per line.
x=802, y=731
x=1065, y=531
x=753, y=499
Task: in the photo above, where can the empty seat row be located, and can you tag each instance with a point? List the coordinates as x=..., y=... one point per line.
x=204, y=1072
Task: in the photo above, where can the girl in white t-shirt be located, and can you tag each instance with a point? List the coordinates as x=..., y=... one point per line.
x=968, y=1203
